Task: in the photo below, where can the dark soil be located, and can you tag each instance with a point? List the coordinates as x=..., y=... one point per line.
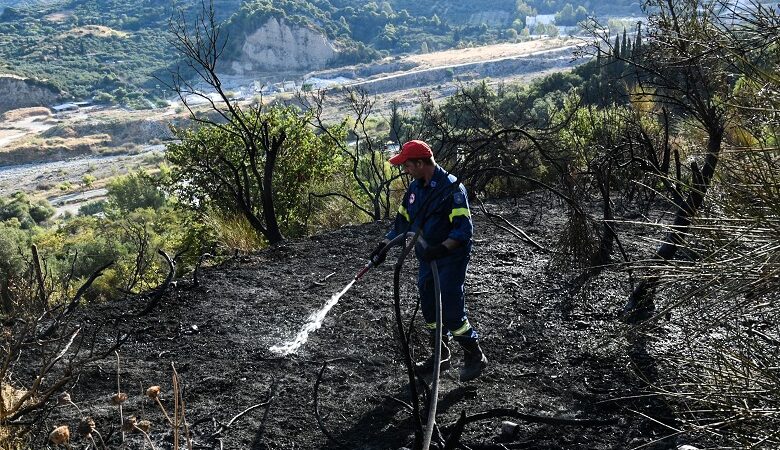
x=553, y=351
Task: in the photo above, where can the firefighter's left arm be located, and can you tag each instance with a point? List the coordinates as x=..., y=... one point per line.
x=401, y=223
x=460, y=218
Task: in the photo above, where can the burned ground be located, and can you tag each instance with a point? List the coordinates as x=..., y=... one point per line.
x=553, y=352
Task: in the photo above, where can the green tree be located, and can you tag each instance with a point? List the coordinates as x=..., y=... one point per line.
x=133, y=191
x=41, y=211
x=231, y=161
x=566, y=16
x=522, y=9
x=386, y=8
x=580, y=14
x=396, y=120
x=213, y=168
x=13, y=245
x=27, y=212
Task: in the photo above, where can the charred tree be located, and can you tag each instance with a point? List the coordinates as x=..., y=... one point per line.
x=366, y=158
x=677, y=67
x=250, y=181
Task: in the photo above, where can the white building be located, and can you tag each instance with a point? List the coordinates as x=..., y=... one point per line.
x=544, y=19
x=65, y=107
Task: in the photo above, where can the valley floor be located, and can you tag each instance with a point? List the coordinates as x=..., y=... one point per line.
x=48, y=155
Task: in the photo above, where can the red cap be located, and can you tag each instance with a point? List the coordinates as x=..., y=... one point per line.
x=412, y=150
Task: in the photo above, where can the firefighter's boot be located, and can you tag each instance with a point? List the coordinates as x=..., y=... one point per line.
x=425, y=368
x=474, y=361
x=639, y=308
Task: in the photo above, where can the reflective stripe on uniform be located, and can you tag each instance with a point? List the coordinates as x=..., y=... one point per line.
x=402, y=211
x=463, y=329
x=431, y=326
x=459, y=212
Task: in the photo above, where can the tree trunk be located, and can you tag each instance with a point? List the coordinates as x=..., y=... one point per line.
x=273, y=233
x=608, y=230
x=5, y=297
x=641, y=298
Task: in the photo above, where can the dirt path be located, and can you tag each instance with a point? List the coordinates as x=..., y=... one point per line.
x=552, y=354
x=11, y=131
x=490, y=52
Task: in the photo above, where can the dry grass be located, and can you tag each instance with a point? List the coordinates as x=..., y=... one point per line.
x=331, y=213
x=726, y=384
x=58, y=17
x=25, y=113
x=235, y=233
x=94, y=30
x=60, y=144
x=10, y=397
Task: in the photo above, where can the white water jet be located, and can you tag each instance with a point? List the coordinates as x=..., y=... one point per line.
x=314, y=322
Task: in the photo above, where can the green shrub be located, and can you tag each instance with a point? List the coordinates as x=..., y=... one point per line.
x=92, y=208
x=133, y=191
x=27, y=212
x=41, y=211
x=205, y=160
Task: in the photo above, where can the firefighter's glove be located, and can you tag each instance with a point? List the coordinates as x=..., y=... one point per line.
x=435, y=252
x=378, y=256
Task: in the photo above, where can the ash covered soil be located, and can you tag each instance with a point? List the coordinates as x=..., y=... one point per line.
x=553, y=352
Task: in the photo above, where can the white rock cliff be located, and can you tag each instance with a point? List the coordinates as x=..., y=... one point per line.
x=279, y=46
x=18, y=92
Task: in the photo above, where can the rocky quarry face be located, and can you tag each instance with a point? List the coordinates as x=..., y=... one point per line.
x=17, y=92
x=280, y=46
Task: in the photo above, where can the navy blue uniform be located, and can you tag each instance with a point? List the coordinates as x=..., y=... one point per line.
x=441, y=209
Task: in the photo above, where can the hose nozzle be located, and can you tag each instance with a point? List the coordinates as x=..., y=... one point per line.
x=364, y=270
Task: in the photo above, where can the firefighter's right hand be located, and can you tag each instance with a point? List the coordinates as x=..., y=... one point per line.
x=378, y=256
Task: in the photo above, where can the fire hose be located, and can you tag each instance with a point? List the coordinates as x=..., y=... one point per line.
x=316, y=319
x=431, y=421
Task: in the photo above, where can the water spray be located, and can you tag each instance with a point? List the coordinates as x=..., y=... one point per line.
x=315, y=319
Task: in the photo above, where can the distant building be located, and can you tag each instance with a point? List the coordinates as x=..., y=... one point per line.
x=543, y=19
x=391, y=148
x=285, y=86
x=65, y=107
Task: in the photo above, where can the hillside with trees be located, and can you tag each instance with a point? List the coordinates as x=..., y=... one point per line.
x=116, y=51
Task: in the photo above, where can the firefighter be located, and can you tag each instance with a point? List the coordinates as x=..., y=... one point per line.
x=437, y=203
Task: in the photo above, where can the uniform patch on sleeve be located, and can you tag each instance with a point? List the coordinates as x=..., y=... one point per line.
x=458, y=198
x=411, y=198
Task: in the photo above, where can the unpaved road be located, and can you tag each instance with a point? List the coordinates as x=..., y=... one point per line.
x=490, y=52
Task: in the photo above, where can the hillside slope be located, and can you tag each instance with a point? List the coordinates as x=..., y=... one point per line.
x=552, y=354
x=117, y=51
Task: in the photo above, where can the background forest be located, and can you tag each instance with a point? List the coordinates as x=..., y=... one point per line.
x=116, y=51
x=679, y=115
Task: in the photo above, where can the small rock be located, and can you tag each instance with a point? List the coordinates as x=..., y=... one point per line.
x=509, y=430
